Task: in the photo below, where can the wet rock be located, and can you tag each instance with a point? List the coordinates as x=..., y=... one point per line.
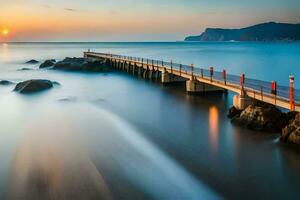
x=48, y=63
x=32, y=86
x=68, y=99
x=82, y=64
x=233, y=112
x=261, y=117
x=291, y=133
x=56, y=83
x=32, y=62
x=25, y=69
x=5, y=82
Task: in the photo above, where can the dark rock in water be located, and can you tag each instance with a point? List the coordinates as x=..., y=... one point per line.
x=47, y=63
x=261, y=117
x=32, y=62
x=233, y=112
x=68, y=99
x=24, y=69
x=5, y=82
x=56, y=83
x=291, y=133
x=82, y=64
x=32, y=86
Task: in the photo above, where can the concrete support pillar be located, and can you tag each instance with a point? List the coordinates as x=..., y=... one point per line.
x=128, y=67
x=157, y=75
x=145, y=73
x=140, y=71
x=242, y=101
x=133, y=69
x=150, y=74
x=170, y=78
x=194, y=87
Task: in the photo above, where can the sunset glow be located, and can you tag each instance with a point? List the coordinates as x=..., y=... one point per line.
x=133, y=20
x=5, y=32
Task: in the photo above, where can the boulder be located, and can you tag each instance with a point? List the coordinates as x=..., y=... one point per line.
x=261, y=117
x=5, y=82
x=291, y=133
x=32, y=62
x=82, y=64
x=32, y=86
x=24, y=69
x=48, y=63
x=233, y=112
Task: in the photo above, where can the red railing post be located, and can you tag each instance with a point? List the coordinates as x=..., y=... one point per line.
x=242, y=80
x=224, y=76
x=192, y=68
x=274, y=90
x=211, y=70
x=292, y=93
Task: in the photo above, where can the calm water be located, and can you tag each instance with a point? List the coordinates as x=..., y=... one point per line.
x=113, y=136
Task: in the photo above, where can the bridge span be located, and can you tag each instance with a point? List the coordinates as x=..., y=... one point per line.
x=206, y=80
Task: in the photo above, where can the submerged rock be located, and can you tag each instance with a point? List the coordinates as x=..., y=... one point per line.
x=32, y=86
x=82, y=64
x=291, y=133
x=5, y=82
x=25, y=69
x=261, y=117
x=47, y=63
x=32, y=62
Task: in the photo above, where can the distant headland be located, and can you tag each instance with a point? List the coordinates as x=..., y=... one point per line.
x=270, y=31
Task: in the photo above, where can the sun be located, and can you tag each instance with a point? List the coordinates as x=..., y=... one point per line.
x=5, y=32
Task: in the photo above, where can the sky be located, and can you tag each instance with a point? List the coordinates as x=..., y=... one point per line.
x=133, y=20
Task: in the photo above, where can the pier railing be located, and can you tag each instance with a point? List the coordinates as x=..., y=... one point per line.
x=258, y=88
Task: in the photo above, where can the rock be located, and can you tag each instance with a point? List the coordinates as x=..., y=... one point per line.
x=291, y=133
x=68, y=99
x=82, y=64
x=32, y=86
x=48, y=63
x=56, y=83
x=32, y=62
x=24, y=69
x=233, y=112
x=261, y=117
x=5, y=82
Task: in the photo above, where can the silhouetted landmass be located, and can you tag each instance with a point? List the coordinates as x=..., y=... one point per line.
x=262, y=32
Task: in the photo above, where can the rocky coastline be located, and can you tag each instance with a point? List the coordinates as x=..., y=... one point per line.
x=263, y=117
x=77, y=65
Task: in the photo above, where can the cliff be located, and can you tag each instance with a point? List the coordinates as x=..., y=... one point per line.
x=262, y=32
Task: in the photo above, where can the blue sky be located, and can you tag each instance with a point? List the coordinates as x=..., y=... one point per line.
x=135, y=20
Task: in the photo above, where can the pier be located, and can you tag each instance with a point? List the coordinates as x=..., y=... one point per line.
x=199, y=80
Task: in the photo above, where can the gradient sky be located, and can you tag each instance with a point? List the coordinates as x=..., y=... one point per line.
x=134, y=20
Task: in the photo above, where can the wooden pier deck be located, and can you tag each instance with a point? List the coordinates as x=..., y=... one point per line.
x=252, y=88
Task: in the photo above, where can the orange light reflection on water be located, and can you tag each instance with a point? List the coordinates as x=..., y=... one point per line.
x=214, y=127
x=4, y=51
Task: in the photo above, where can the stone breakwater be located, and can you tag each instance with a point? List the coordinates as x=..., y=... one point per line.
x=264, y=117
x=77, y=64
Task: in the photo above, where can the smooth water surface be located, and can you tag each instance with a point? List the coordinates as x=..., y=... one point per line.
x=114, y=136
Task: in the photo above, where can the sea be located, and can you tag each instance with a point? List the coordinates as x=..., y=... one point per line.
x=118, y=136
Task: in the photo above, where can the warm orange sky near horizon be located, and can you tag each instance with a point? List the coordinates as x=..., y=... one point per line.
x=133, y=20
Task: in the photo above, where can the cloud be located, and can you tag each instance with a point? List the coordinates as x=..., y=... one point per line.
x=70, y=9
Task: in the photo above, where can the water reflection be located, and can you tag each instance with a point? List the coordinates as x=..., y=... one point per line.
x=50, y=163
x=4, y=52
x=214, y=127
